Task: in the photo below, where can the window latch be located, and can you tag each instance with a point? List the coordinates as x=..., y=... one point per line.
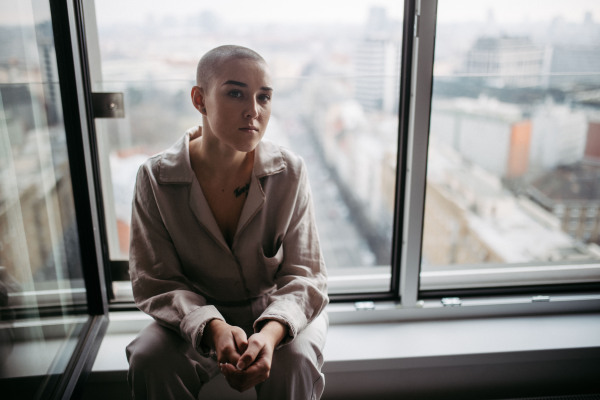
x=451, y=302
x=108, y=105
x=364, y=305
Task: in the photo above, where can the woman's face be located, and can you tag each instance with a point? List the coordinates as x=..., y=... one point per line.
x=237, y=104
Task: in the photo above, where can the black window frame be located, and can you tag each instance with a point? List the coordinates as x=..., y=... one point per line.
x=67, y=26
x=92, y=318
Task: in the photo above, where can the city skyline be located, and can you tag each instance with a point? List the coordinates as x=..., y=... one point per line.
x=319, y=98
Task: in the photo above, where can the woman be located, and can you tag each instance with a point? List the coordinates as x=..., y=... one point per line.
x=224, y=250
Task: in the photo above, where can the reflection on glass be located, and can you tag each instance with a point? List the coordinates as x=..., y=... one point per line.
x=513, y=172
x=35, y=353
x=335, y=104
x=40, y=268
x=38, y=232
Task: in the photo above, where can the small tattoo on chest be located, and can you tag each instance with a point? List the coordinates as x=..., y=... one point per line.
x=241, y=190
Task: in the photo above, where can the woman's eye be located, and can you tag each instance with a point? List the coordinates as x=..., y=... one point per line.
x=235, y=93
x=264, y=97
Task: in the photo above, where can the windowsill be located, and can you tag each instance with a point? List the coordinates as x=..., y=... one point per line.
x=409, y=356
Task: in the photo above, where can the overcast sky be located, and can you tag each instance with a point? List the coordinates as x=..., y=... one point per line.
x=345, y=10
x=258, y=11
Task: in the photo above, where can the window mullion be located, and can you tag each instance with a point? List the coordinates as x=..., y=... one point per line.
x=425, y=18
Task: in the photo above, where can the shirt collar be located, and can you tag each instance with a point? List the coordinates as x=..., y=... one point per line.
x=175, y=166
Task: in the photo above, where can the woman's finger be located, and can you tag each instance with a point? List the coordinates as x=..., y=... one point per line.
x=244, y=380
x=240, y=339
x=228, y=343
x=247, y=358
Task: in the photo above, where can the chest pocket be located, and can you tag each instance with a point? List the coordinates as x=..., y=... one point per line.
x=272, y=263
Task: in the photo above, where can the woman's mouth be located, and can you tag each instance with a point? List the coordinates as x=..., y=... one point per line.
x=249, y=129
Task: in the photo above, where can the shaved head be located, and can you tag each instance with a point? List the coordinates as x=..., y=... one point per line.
x=215, y=58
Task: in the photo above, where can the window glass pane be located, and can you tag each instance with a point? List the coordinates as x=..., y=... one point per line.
x=40, y=267
x=514, y=152
x=38, y=233
x=335, y=103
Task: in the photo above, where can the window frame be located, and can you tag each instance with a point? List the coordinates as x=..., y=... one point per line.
x=416, y=84
x=67, y=23
x=425, y=30
x=74, y=358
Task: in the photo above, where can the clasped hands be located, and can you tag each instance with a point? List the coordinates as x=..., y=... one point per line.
x=245, y=362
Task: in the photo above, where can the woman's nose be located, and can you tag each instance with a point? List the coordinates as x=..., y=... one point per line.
x=252, y=109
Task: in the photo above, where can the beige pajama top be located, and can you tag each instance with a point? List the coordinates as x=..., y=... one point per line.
x=183, y=272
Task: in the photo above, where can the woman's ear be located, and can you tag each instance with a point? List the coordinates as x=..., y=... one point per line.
x=198, y=99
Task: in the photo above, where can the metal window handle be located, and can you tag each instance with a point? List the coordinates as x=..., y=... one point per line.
x=108, y=105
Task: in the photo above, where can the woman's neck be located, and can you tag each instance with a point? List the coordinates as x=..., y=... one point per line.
x=219, y=161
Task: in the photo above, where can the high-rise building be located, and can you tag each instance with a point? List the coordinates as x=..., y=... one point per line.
x=569, y=64
x=377, y=64
x=506, y=61
x=493, y=135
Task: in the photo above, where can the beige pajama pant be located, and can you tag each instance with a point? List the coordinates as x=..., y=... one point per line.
x=162, y=366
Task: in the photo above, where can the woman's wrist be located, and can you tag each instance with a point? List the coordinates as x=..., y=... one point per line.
x=210, y=330
x=275, y=330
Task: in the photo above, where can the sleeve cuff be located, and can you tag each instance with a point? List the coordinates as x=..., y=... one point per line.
x=286, y=313
x=193, y=324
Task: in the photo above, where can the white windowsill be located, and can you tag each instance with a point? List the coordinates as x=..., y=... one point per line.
x=373, y=342
x=380, y=350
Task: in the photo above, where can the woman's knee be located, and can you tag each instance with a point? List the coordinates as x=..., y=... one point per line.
x=302, y=356
x=155, y=347
x=297, y=356
x=295, y=372
x=307, y=347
